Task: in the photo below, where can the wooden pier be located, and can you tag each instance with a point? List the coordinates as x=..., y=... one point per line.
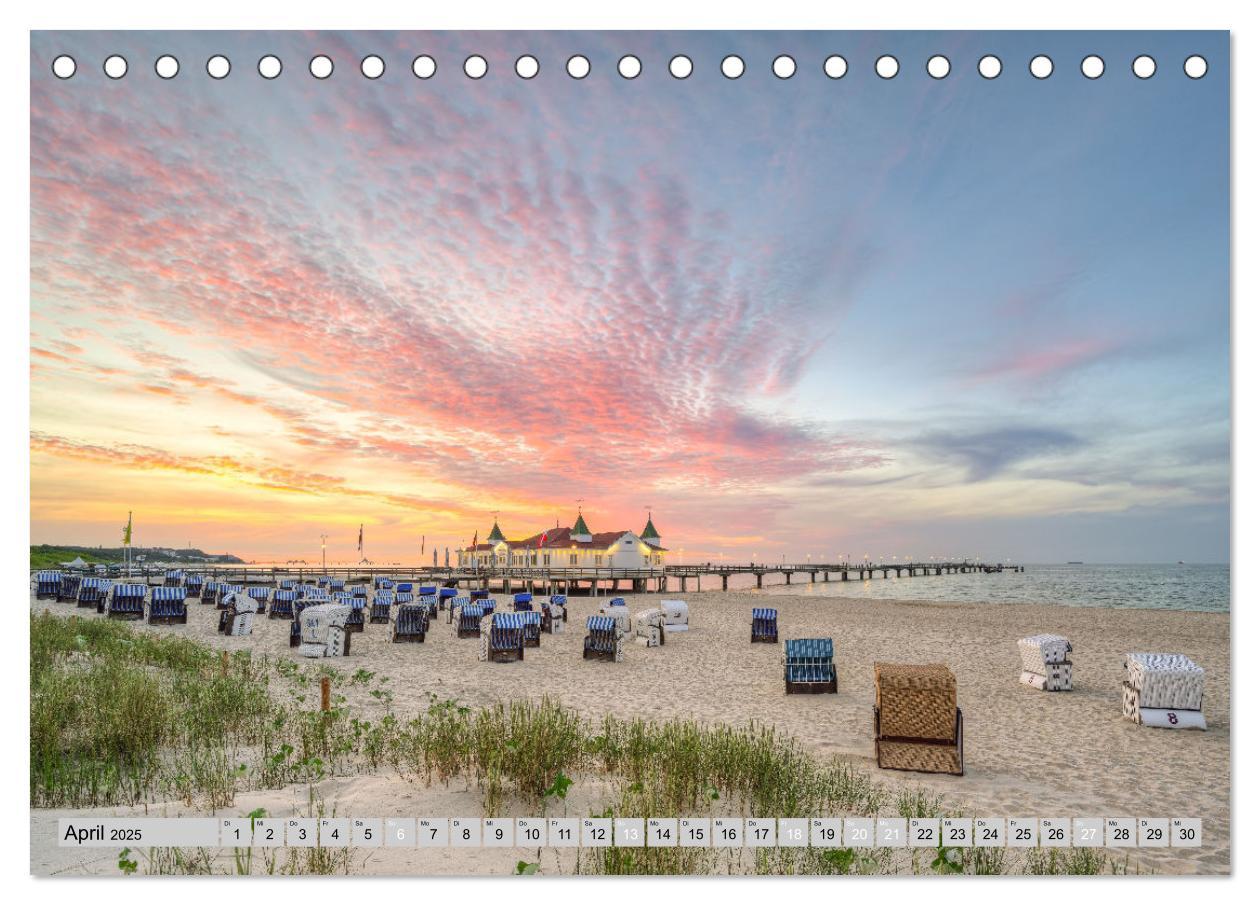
x=591, y=581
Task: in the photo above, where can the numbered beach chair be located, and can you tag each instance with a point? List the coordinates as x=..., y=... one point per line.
x=809, y=666
x=259, y=595
x=531, y=620
x=282, y=604
x=918, y=725
x=381, y=605
x=237, y=618
x=469, y=625
x=1164, y=691
x=617, y=610
x=522, y=602
x=649, y=627
x=93, y=591
x=324, y=631
x=603, y=639
x=68, y=588
x=411, y=624
x=47, y=583
x=677, y=615
x=504, y=639
x=167, y=606
x=1044, y=664
x=765, y=625
x=127, y=601
x=554, y=614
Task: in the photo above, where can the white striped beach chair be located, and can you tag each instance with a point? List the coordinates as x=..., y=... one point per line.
x=127, y=601
x=603, y=639
x=505, y=639
x=765, y=625
x=167, y=606
x=47, y=583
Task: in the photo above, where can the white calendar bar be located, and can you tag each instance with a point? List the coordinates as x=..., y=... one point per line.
x=631, y=832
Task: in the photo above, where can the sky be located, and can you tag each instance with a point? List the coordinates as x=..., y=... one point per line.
x=794, y=317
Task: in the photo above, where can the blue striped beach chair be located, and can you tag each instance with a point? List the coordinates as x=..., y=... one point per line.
x=603, y=640
x=765, y=625
x=359, y=590
x=383, y=584
x=445, y=595
x=808, y=666
x=532, y=622
x=427, y=590
x=259, y=595
x=506, y=641
x=522, y=602
x=174, y=578
x=457, y=603
x=226, y=591
x=287, y=584
x=192, y=586
x=479, y=594
x=555, y=613
x=68, y=589
x=47, y=583
x=403, y=598
x=167, y=607
x=127, y=601
x=210, y=592
x=358, y=607
x=469, y=625
x=93, y=591
x=411, y=623
x=403, y=587
x=323, y=582
x=617, y=601
x=282, y=604
x=381, y=605
x=295, y=628
x=336, y=584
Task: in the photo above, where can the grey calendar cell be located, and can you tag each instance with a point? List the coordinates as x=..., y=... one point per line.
x=236, y=831
x=564, y=832
x=531, y=831
x=662, y=832
x=596, y=832
x=1186, y=832
x=890, y=832
x=989, y=832
x=859, y=832
x=498, y=832
x=1021, y=832
x=465, y=832
x=956, y=831
x=1121, y=832
x=1152, y=832
x=1055, y=832
x=924, y=832
x=268, y=832
x=826, y=832
x=301, y=832
x=433, y=832
x=759, y=832
x=793, y=832
x=728, y=832
x=367, y=832
x=1088, y=832
x=694, y=832
x=400, y=832
x=334, y=832
x=628, y=832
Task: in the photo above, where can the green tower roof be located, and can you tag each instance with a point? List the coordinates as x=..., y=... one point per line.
x=580, y=527
x=649, y=531
x=495, y=534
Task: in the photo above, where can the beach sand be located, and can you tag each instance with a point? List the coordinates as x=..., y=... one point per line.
x=1028, y=753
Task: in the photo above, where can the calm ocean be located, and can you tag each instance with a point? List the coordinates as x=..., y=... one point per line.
x=1164, y=587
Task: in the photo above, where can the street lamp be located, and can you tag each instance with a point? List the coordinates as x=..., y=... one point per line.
x=323, y=551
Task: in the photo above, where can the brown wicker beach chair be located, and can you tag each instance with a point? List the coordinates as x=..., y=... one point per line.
x=918, y=725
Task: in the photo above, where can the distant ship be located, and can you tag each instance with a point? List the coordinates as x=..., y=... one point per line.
x=1076, y=562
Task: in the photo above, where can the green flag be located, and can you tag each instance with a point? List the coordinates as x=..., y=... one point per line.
x=127, y=531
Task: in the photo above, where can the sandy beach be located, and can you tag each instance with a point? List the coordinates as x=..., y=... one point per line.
x=1028, y=753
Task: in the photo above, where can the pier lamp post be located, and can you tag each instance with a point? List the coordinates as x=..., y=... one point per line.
x=323, y=552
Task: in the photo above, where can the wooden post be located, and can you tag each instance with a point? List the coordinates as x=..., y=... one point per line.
x=325, y=694
x=223, y=663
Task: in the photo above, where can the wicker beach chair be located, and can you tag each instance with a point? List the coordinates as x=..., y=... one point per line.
x=532, y=622
x=554, y=615
x=192, y=586
x=93, y=592
x=383, y=584
x=1164, y=691
x=127, y=601
x=445, y=595
x=469, y=625
x=324, y=631
x=809, y=666
x=1044, y=664
x=411, y=623
x=336, y=584
x=167, y=606
x=522, y=603
x=226, y=591
x=619, y=613
x=237, y=618
x=259, y=595
x=918, y=725
x=173, y=578
x=504, y=641
x=479, y=594
x=404, y=587
x=649, y=627
x=295, y=630
x=765, y=625
x=47, y=583
x=677, y=615
x=68, y=588
x=210, y=592
x=282, y=604
x=603, y=639
x=381, y=605
x=403, y=598
x=427, y=590
x=358, y=609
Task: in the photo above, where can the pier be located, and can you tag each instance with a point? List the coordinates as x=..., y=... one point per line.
x=588, y=580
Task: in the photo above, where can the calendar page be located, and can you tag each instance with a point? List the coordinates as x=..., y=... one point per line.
x=719, y=453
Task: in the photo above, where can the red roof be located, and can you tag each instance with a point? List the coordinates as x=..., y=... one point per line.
x=562, y=539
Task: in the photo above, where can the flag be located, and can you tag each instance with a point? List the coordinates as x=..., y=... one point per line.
x=542, y=538
x=127, y=531
x=422, y=545
x=475, y=533
x=360, y=540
